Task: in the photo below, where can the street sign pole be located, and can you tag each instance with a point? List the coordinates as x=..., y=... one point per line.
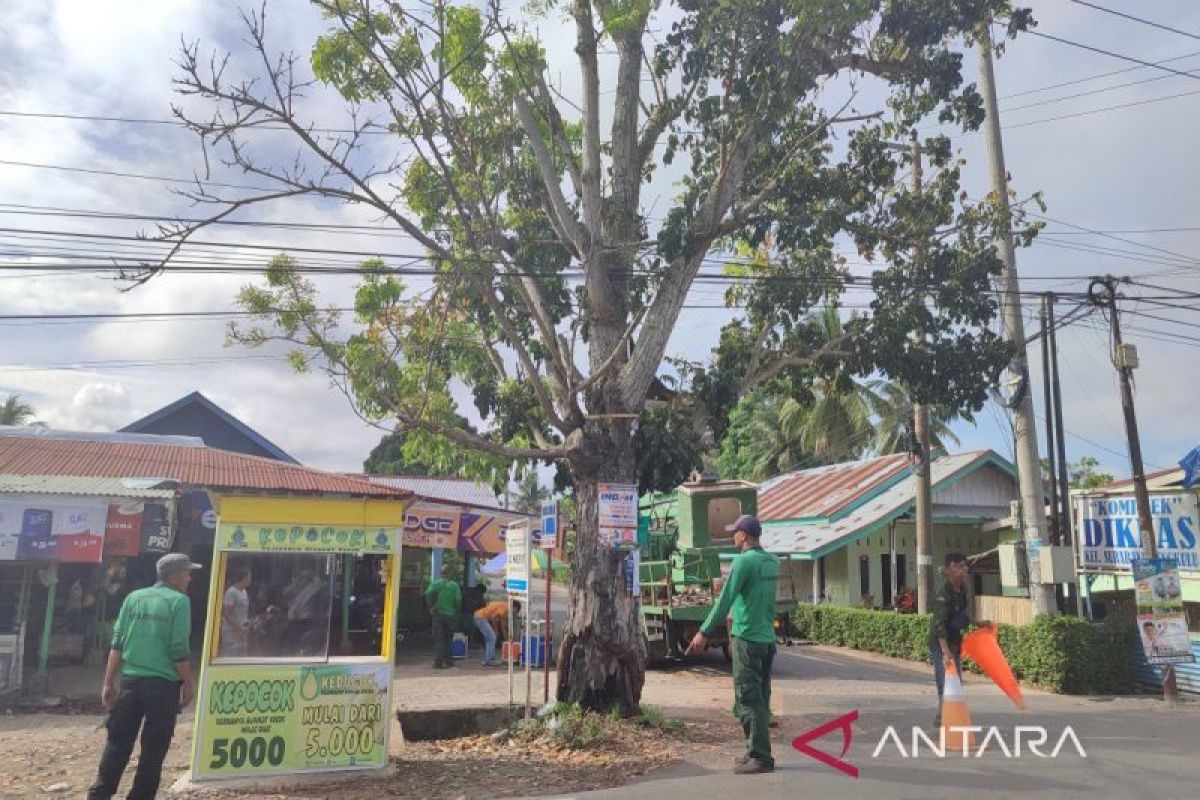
x=517, y=575
x=548, y=539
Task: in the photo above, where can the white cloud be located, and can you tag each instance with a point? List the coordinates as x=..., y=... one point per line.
x=1126, y=169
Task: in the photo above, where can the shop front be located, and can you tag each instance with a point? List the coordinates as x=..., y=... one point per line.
x=68, y=548
x=296, y=668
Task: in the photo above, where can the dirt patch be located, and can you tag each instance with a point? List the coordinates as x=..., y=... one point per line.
x=482, y=767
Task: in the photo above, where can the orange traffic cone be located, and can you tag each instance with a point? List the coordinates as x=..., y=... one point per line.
x=955, y=713
x=982, y=647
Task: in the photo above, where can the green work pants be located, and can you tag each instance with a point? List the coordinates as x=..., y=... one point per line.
x=752, y=695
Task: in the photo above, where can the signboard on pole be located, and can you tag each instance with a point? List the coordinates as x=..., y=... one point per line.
x=1110, y=537
x=548, y=539
x=1161, y=622
x=618, y=511
x=518, y=565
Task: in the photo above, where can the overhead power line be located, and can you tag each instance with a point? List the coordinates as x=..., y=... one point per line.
x=1111, y=54
x=1141, y=20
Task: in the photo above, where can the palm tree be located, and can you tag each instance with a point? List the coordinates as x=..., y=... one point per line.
x=773, y=438
x=530, y=494
x=894, y=419
x=14, y=412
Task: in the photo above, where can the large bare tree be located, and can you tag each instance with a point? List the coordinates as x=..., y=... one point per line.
x=554, y=289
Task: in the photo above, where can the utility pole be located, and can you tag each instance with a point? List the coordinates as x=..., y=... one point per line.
x=1048, y=403
x=1033, y=509
x=921, y=469
x=1125, y=360
x=1066, y=530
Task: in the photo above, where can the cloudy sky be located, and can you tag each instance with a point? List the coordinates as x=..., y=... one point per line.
x=1113, y=154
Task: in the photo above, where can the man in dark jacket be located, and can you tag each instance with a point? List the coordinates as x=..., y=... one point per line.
x=952, y=612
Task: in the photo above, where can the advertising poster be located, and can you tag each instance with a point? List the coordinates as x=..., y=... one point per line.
x=618, y=510
x=1111, y=539
x=266, y=719
x=425, y=526
x=1160, y=618
x=36, y=540
x=10, y=530
x=156, y=529
x=517, y=564
x=79, y=532
x=123, y=529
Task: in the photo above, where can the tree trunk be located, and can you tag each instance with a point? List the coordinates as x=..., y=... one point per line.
x=602, y=661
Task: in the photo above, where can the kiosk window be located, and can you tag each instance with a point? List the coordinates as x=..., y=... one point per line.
x=301, y=605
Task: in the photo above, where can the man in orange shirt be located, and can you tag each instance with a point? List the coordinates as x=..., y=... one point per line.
x=492, y=620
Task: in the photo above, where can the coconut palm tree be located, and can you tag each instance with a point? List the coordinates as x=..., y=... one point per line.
x=14, y=412
x=894, y=418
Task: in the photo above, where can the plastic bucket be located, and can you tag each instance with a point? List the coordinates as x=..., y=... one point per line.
x=537, y=650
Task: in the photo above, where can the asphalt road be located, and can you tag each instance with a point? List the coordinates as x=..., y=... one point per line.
x=1135, y=747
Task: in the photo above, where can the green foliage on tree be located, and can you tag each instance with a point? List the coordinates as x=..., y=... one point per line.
x=16, y=412
x=1083, y=474
x=555, y=277
x=530, y=494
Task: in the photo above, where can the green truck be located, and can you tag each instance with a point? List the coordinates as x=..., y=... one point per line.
x=681, y=544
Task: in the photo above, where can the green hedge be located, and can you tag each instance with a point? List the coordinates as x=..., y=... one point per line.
x=1062, y=654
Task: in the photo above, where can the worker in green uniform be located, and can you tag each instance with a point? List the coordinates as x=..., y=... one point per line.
x=148, y=679
x=750, y=593
x=445, y=600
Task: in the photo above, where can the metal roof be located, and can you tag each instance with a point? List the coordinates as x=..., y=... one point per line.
x=823, y=492
x=83, y=485
x=197, y=466
x=447, y=490
x=199, y=400
x=817, y=538
x=1162, y=480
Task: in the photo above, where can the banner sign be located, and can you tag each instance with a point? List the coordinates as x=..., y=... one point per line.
x=517, y=566
x=426, y=526
x=157, y=536
x=1111, y=539
x=52, y=528
x=618, y=510
x=267, y=720
x=305, y=539
x=484, y=532
x=123, y=529
x=10, y=529
x=1161, y=622
x=548, y=536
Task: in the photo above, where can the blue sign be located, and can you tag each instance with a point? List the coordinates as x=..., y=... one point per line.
x=549, y=534
x=1111, y=535
x=1191, y=468
x=516, y=586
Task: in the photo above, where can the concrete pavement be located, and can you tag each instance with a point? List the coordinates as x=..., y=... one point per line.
x=1135, y=748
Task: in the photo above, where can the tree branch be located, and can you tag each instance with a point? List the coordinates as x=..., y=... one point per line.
x=560, y=214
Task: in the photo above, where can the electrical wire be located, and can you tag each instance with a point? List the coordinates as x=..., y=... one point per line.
x=1141, y=20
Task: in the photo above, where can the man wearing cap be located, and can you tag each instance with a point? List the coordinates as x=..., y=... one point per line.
x=148, y=679
x=750, y=593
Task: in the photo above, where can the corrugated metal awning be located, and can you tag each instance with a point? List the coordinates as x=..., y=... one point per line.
x=89, y=486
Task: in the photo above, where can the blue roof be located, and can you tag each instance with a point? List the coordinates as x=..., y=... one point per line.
x=199, y=400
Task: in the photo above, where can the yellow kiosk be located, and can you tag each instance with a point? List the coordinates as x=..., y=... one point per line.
x=296, y=672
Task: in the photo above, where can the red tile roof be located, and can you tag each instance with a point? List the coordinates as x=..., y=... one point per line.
x=189, y=464
x=824, y=491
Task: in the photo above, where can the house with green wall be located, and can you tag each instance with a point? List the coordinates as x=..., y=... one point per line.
x=847, y=532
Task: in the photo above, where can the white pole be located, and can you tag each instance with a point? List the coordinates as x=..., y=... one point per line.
x=509, y=651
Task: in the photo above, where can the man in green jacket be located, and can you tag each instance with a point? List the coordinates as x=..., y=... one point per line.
x=148, y=679
x=444, y=598
x=750, y=593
